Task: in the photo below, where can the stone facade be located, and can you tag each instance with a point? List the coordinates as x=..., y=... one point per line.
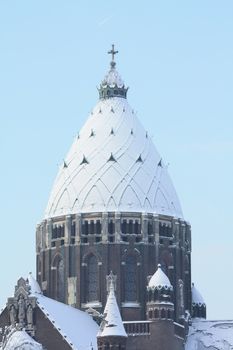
x=76, y=253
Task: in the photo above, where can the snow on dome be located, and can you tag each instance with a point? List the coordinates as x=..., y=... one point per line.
x=20, y=340
x=122, y=170
x=113, y=325
x=35, y=288
x=159, y=279
x=196, y=296
x=112, y=79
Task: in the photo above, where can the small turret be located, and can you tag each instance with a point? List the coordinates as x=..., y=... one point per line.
x=198, y=304
x=112, y=332
x=112, y=85
x=159, y=297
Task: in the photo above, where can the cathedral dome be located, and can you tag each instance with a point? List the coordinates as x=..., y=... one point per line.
x=113, y=164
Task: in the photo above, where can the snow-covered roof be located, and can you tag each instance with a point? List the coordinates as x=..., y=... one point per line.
x=196, y=296
x=113, y=325
x=211, y=335
x=76, y=326
x=20, y=340
x=159, y=280
x=113, y=165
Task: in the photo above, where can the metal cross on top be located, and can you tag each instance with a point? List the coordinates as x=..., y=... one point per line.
x=113, y=53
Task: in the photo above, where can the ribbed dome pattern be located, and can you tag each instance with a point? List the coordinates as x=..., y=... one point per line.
x=113, y=166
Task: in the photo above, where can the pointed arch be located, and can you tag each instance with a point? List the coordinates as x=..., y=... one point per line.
x=131, y=265
x=93, y=198
x=130, y=284
x=92, y=280
x=59, y=285
x=129, y=196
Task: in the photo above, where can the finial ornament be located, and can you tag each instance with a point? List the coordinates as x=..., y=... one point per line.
x=112, y=85
x=113, y=52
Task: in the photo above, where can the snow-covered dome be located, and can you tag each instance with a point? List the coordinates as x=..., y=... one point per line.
x=113, y=164
x=196, y=296
x=159, y=280
x=112, y=79
x=20, y=340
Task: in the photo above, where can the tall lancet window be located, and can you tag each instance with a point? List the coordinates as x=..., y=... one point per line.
x=130, y=278
x=61, y=281
x=92, y=279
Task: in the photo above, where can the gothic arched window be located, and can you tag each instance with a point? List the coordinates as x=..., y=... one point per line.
x=61, y=281
x=92, y=279
x=163, y=313
x=130, y=278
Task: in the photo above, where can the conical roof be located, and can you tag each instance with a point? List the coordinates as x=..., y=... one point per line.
x=112, y=141
x=113, y=322
x=159, y=280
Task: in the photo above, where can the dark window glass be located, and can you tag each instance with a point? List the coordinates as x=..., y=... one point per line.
x=150, y=230
x=165, y=230
x=130, y=278
x=124, y=226
x=136, y=228
x=92, y=279
x=92, y=228
x=85, y=231
x=54, y=232
x=73, y=228
x=98, y=227
x=111, y=227
x=130, y=227
x=163, y=313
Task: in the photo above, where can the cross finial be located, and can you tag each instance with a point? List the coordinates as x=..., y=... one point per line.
x=113, y=52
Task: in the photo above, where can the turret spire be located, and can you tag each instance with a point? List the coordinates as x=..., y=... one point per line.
x=112, y=85
x=112, y=324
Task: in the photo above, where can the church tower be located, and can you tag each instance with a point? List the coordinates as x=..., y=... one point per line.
x=113, y=207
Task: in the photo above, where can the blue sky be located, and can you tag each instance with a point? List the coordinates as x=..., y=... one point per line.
x=177, y=58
